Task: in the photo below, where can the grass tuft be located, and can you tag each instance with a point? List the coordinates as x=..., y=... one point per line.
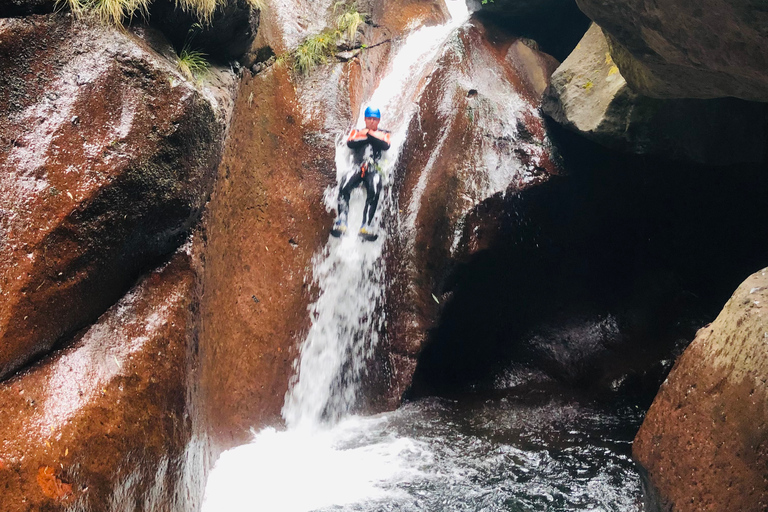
x=316, y=49
x=349, y=20
x=109, y=12
x=203, y=9
x=313, y=51
x=259, y=5
x=192, y=63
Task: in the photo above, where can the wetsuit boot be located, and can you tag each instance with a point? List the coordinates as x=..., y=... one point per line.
x=339, y=227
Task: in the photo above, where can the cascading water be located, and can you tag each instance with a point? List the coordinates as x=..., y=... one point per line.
x=348, y=315
x=509, y=453
x=345, y=323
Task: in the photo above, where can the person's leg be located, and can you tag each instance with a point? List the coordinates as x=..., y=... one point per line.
x=373, y=187
x=348, y=183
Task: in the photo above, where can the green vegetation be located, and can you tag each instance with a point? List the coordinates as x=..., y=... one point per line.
x=317, y=49
x=116, y=12
x=109, y=12
x=192, y=63
x=259, y=5
x=313, y=51
x=349, y=20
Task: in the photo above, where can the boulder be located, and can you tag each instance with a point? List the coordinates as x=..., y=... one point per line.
x=682, y=49
x=478, y=133
x=590, y=96
x=104, y=424
x=704, y=438
x=108, y=155
x=598, y=279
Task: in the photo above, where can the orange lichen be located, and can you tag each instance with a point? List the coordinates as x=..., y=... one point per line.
x=51, y=485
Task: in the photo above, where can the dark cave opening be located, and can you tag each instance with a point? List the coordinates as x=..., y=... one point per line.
x=599, y=278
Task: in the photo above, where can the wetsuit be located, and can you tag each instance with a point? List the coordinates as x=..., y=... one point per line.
x=366, y=151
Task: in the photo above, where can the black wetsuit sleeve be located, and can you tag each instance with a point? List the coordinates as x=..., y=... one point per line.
x=380, y=144
x=356, y=141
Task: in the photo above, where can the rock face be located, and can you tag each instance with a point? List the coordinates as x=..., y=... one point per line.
x=263, y=224
x=598, y=279
x=107, y=157
x=104, y=424
x=681, y=49
x=266, y=220
x=590, y=96
x=704, y=438
x=478, y=133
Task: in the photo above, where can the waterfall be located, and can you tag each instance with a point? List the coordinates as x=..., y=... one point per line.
x=350, y=274
x=326, y=457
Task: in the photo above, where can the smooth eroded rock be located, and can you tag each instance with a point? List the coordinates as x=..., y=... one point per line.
x=477, y=134
x=704, y=440
x=598, y=278
x=682, y=49
x=590, y=96
x=264, y=223
x=104, y=423
x=108, y=155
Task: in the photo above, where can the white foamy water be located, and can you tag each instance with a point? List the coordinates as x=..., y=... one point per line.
x=324, y=459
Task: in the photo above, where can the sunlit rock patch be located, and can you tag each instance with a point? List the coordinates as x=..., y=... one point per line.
x=108, y=156
x=106, y=420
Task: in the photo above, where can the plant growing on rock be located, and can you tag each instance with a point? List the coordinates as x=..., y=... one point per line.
x=192, y=63
x=317, y=49
x=109, y=12
x=313, y=51
x=349, y=20
x=116, y=12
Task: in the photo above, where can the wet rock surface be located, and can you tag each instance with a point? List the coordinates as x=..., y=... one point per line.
x=599, y=278
x=478, y=132
x=589, y=95
x=104, y=423
x=264, y=222
x=108, y=156
x=704, y=438
x=680, y=49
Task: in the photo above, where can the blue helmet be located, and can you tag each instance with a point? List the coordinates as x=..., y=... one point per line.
x=372, y=112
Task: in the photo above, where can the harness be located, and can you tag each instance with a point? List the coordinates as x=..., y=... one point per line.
x=369, y=163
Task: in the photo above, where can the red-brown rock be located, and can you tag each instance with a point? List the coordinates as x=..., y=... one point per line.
x=477, y=134
x=107, y=418
x=264, y=222
x=107, y=158
x=704, y=440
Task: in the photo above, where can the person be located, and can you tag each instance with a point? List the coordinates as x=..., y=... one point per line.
x=366, y=145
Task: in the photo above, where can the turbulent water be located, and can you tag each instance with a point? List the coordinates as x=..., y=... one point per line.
x=519, y=451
